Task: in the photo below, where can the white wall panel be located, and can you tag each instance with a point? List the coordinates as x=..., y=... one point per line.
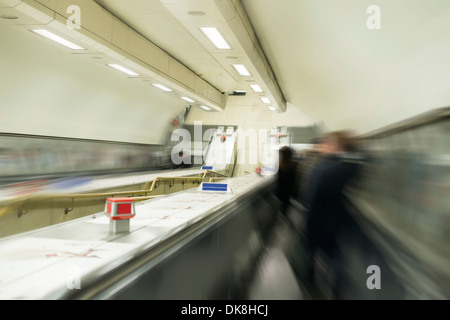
x=45, y=90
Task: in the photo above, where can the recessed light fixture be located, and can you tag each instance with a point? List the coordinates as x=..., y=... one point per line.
x=272, y=108
x=242, y=70
x=160, y=86
x=8, y=17
x=205, y=108
x=215, y=37
x=265, y=100
x=58, y=39
x=256, y=88
x=196, y=13
x=188, y=99
x=123, y=69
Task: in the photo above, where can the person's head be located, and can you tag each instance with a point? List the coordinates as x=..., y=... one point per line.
x=317, y=145
x=285, y=155
x=338, y=142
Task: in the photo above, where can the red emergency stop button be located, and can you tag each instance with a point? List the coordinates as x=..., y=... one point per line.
x=120, y=208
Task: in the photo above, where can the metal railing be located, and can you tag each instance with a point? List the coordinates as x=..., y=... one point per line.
x=19, y=202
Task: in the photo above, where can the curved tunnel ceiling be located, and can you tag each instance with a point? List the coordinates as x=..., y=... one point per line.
x=331, y=65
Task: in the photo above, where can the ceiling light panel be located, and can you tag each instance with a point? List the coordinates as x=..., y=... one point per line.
x=188, y=99
x=160, y=86
x=256, y=88
x=58, y=39
x=242, y=70
x=215, y=37
x=123, y=69
x=265, y=100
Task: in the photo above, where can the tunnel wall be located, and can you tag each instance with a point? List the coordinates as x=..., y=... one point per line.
x=402, y=200
x=47, y=90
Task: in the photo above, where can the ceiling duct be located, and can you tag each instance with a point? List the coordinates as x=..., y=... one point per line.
x=237, y=19
x=229, y=17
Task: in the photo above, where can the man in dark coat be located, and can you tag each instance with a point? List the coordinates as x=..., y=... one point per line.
x=325, y=201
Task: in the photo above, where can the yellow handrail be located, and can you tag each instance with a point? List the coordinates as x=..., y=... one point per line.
x=216, y=179
x=145, y=198
x=21, y=200
x=200, y=177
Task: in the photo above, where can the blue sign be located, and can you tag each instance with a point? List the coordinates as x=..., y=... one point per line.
x=215, y=187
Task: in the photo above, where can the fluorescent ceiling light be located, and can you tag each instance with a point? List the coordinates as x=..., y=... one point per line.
x=272, y=108
x=242, y=70
x=123, y=69
x=205, y=108
x=215, y=37
x=265, y=100
x=187, y=99
x=58, y=39
x=256, y=88
x=160, y=86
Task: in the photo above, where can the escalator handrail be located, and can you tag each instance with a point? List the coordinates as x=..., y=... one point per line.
x=102, y=285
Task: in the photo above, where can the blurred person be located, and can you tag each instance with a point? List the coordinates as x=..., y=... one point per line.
x=309, y=160
x=186, y=161
x=286, y=177
x=327, y=215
